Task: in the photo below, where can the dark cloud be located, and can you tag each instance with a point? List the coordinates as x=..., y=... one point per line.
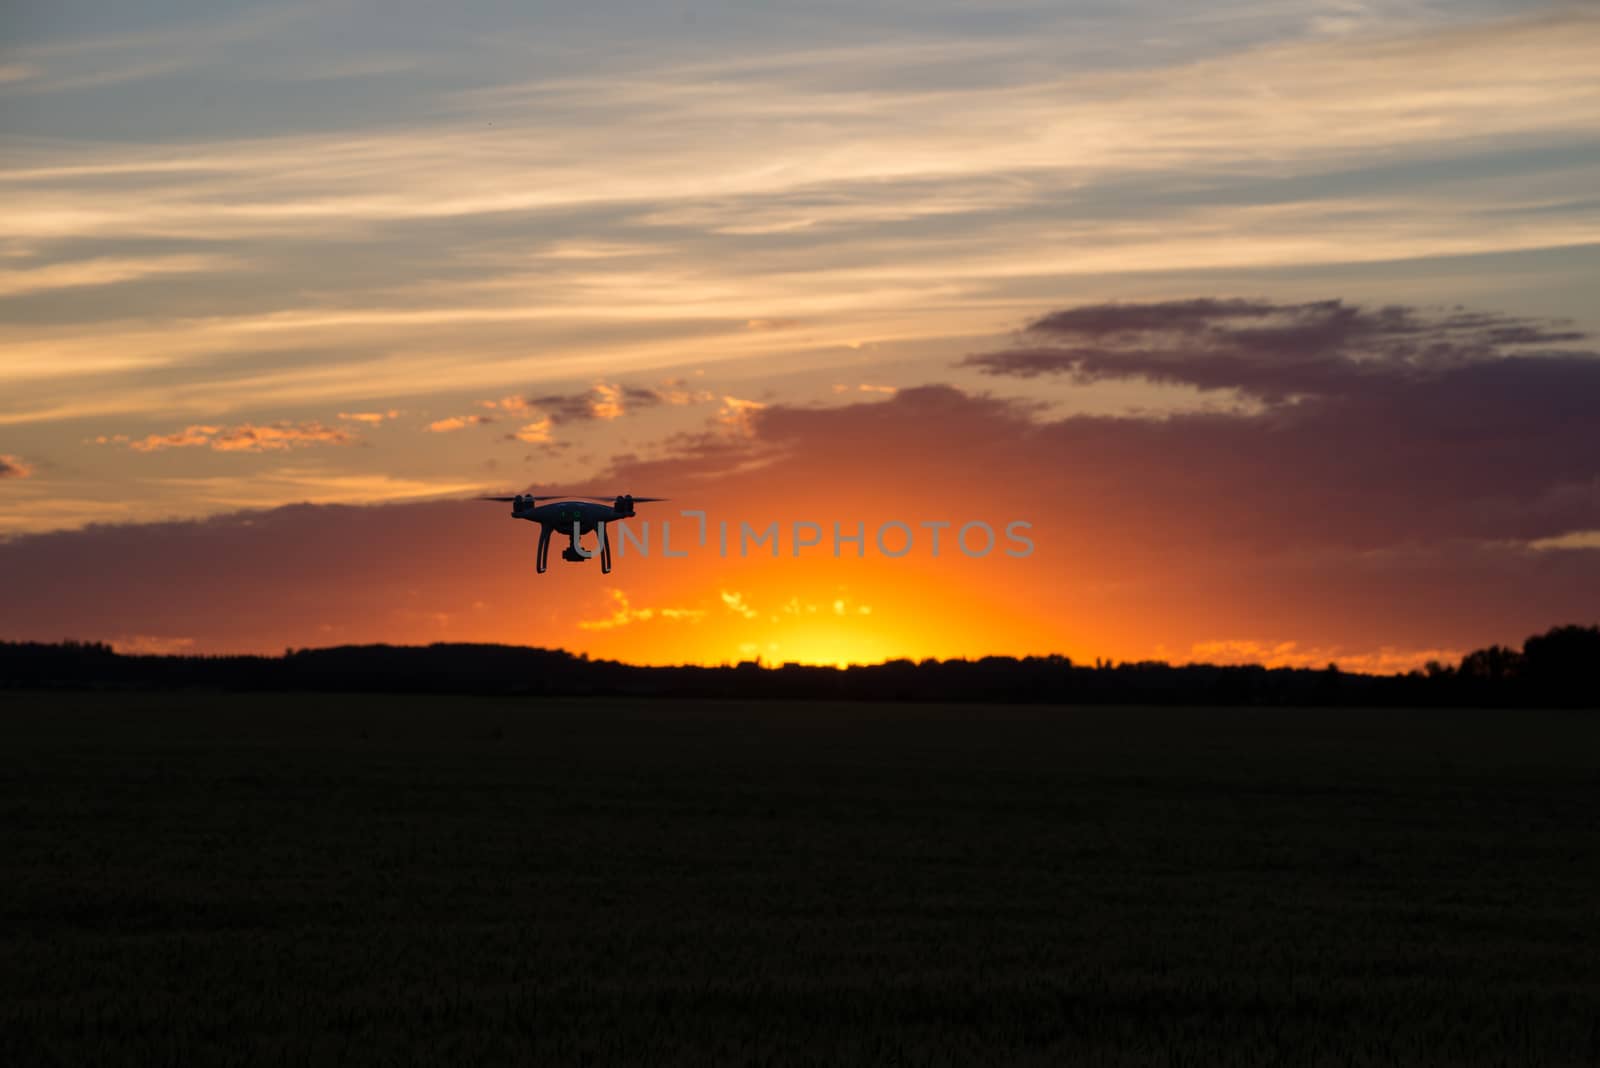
x=602, y=402
x=1274, y=352
x=268, y=578
x=640, y=397
x=565, y=407
x=1099, y=320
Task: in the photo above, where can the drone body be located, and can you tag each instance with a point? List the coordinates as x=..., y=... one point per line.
x=573, y=516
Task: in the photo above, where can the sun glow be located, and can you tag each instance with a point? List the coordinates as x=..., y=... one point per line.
x=836, y=644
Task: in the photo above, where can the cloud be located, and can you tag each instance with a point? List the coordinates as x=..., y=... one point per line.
x=13, y=467
x=1575, y=540
x=1166, y=170
x=151, y=645
x=83, y=62
x=535, y=433
x=676, y=395
x=623, y=614
x=605, y=401
x=457, y=422
x=736, y=412
x=307, y=484
x=1387, y=660
x=677, y=136
x=1375, y=425
x=508, y=404
x=370, y=417
x=246, y=437
x=1275, y=352
x=735, y=603
x=105, y=271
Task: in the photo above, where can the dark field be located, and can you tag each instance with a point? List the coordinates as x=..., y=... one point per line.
x=294, y=879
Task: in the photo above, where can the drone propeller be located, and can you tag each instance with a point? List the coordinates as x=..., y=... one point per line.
x=607, y=500
x=522, y=497
x=571, y=497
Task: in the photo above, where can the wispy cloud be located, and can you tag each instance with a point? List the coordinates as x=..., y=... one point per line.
x=623, y=614
x=151, y=645
x=108, y=60
x=1388, y=660
x=13, y=467
x=1577, y=540
x=1309, y=100
x=102, y=271
x=313, y=485
x=245, y=437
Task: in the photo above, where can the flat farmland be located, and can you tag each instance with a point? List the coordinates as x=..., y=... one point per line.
x=290, y=878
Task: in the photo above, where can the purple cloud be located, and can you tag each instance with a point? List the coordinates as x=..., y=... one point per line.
x=1275, y=352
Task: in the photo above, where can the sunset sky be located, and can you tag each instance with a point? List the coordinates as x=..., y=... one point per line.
x=1276, y=320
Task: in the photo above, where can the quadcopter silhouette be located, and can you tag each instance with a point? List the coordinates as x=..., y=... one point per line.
x=574, y=515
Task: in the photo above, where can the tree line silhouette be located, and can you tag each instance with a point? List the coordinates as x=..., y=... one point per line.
x=1560, y=667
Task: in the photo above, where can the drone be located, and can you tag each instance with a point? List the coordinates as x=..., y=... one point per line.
x=574, y=515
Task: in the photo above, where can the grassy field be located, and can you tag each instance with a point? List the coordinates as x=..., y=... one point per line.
x=291, y=879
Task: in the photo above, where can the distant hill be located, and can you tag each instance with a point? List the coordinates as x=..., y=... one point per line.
x=1559, y=667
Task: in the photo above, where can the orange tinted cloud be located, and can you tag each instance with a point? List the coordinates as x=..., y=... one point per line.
x=1384, y=661
x=607, y=403
x=369, y=417
x=736, y=412
x=534, y=433
x=457, y=422
x=246, y=437
x=623, y=614
x=509, y=404
x=152, y=645
x=102, y=271
x=604, y=401
x=12, y=467
x=735, y=604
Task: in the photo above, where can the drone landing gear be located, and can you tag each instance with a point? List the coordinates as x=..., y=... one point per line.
x=543, y=558
x=572, y=553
